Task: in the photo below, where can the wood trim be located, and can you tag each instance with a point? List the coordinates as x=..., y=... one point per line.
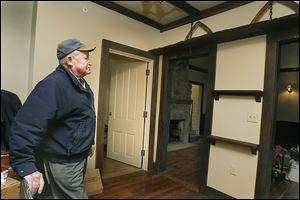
x=204, y=14
x=294, y=69
x=104, y=74
x=246, y=31
x=197, y=83
x=164, y=116
x=103, y=93
x=256, y=93
x=191, y=67
x=129, y=13
x=261, y=12
x=188, y=56
x=208, y=116
x=267, y=131
x=195, y=27
x=187, y=8
x=253, y=147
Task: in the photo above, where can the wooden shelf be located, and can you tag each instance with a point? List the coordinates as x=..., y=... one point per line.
x=253, y=147
x=256, y=93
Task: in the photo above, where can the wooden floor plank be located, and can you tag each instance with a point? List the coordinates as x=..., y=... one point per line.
x=179, y=181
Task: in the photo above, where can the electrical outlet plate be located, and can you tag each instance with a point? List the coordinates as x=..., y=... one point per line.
x=252, y=117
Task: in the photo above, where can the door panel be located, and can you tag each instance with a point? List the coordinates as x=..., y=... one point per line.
x=126, y=107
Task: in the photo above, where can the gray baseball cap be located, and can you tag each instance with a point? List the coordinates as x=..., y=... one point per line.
x=68, y=46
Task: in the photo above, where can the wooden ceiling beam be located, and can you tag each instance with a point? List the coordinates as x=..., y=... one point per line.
x=187, y=8
x=129, y=13
x=205, y=13
x=194, y=14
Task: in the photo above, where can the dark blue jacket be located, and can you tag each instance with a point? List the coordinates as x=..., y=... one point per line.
x=10, y=105
x=58, y=117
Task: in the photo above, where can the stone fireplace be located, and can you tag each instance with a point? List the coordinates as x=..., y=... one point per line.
x=180, y=109
x=176, y=127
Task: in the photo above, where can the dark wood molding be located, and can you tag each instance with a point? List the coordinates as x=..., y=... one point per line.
x=191, y=67
x=204, y=14
x=253, y=147
x=195, y=27
x=261, y=12
x=228, y=5
x=210, y=85
x=188, y=56
x=256, y=93
x=103, y=93
x=100, y=132
x=190, y=10
x=267, y=131
x=129, y=13
x=292, y=69
x=164, y=116
x=197, y=83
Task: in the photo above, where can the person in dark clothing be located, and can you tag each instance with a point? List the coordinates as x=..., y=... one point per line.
x=59, y=117
x=10, y=105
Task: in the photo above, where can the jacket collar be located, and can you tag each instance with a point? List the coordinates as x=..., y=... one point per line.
x=74, y=78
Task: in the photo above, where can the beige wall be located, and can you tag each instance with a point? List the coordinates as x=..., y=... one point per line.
x=16, y=36
x=240, y=66
x=232, y=170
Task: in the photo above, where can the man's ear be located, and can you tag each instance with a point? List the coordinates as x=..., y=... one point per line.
x=69, y=60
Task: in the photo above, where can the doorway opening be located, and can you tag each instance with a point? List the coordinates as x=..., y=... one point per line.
x=198, y=112
x=188, y=79
x=286, y=131
x=125, y=131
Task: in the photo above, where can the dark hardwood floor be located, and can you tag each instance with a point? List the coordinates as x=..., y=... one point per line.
x=285, y=190
x=179, y=181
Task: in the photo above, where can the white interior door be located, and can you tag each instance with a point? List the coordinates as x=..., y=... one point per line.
x=126, y=108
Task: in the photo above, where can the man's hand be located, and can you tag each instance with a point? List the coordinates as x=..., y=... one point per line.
x=92, y=150
x=35, y=182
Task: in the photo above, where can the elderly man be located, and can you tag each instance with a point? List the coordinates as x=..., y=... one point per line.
x=58, y=120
